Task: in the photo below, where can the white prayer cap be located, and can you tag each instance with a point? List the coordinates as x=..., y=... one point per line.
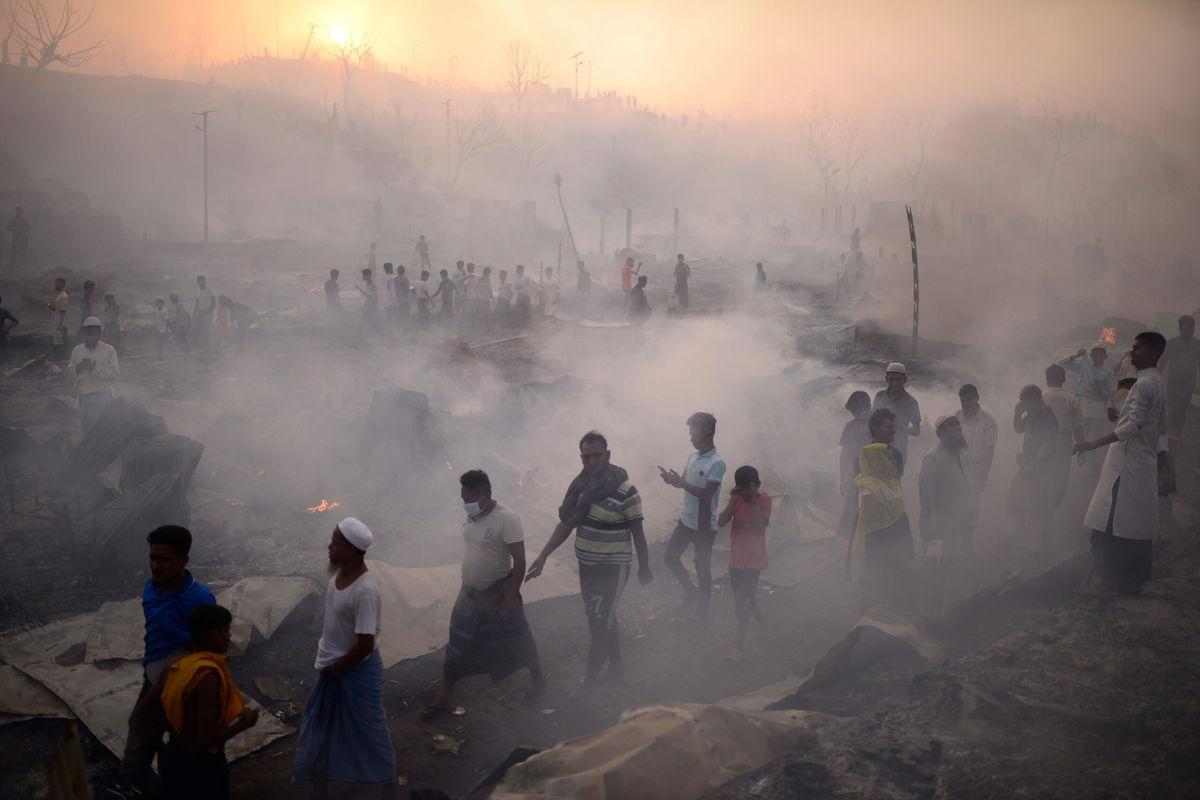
x=356, y=533
x=942, y=420
x=1100, y=346
x=896, y=366
x=91, y=322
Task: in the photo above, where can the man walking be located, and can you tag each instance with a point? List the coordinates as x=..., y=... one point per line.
x=168, y=598
x=344, y=736
x=1123, y=514
x=94, y=365
x=947, y=514
x=701, y=484
x=605, y=510
x=333, y=297
x=682, y=273
x=422, y=249
x=488, y=631
x=18, y=231
x=897, y=399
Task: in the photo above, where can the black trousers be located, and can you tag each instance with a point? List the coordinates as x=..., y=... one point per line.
x=702, y=544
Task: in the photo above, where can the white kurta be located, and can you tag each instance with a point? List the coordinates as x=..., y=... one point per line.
x=1142, y=434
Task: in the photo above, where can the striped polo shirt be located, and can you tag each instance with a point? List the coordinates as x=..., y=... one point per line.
x=604, y=537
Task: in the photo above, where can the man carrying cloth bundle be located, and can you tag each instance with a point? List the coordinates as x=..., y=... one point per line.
x=488, y=631
x=604, y=507
x=344, y=735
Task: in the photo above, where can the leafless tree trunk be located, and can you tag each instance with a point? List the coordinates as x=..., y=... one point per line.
x=529, y=141
x=474, y=135
x=1058, y=141
x=45, y=36
x=524, y=71
x=356, y=52
x=911, y=135
x=853, y=143
x=816, y=125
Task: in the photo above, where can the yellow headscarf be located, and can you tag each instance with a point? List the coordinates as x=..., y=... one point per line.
x=881, y=500
x=185, y=674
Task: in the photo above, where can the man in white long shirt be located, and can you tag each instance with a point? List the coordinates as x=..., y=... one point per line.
x=1123, y=514
x=979, y=431
x=947, y=503
x=94, y=365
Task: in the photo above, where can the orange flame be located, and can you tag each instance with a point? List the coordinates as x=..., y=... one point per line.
x=322, y=507
x=233, y=502
x=1109, y=336
x=449, y=466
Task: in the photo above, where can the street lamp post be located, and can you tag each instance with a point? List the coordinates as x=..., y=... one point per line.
x=576, y=57
x=204, y=130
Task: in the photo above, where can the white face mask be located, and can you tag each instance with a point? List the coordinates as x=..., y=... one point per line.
x=473, y=509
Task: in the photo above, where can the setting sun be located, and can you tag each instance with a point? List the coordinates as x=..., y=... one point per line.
x=338, y=35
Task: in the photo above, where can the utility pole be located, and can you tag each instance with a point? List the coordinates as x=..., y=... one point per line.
x=589, y=83
x=204, y=130
x=447, y=105
x=576, y=57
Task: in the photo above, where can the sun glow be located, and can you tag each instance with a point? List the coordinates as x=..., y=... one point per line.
x=338, y=34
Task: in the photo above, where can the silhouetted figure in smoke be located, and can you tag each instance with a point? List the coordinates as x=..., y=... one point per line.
x=760, y=276
x=87, y=302
x=162, y=325
x=19, y=229
x=403, y=290
x=59, y=306
x=445, y=291
x=1032, y=497
x=370, y=293
x=683, y=272
x=697, y=528
x=855, y=436
x=1069, y=415
x=604, y=509
x=639, y=306
x=628, y=271
x=239, y=317
x=371, y=257
x=583, y=284
x=425, y=293
x=1123, y=514
x=523, y=290
x=180, y=324
x=504, y=295
x=1179, y=367
x=422, y=249
x=484, y=294
x=488, y=631
x=980, y=431
x=548, y=296
x=202, y=314
x=1094, y=388
x=111, y=320
x=389, y=293
x=948, y=515
x=333, y=296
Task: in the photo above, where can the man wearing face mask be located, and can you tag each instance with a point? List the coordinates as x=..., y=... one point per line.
x=488, y=631
x=947, y=513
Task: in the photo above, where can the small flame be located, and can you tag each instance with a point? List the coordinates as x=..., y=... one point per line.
x=449, y=466
x=322, y=507
x=261, y=472
x=520, y=488
x=233, y=502
x=1109, y=336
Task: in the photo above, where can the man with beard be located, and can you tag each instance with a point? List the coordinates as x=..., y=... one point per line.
x=344, y=736
x=95, y=366
x=604, y=507
x=897, y=399
x=947, y=516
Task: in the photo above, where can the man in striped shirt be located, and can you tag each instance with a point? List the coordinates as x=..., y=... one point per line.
x=604, y=509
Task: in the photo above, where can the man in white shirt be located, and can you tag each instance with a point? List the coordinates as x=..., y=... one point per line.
x=94, y=365
x=344, y=735
x=488, y=631
x=979, y=431
x=1068, y=411
x=202, y=313
x=701, y=484
x=1123, y=514
x=59, y=306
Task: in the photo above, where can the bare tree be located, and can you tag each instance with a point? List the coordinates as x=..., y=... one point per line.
x=354, y=52
x=475, y=135
x=44, y=36
x=852, y=145
x=10, y=28
x=1060, y=139
x=524, y=71
x=910, y=135
x=405, y=123
x=529, y=141
x=816, y=126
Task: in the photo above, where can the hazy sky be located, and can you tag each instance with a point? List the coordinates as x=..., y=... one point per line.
x=1102, y=55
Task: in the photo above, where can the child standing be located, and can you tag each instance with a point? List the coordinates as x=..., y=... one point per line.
x=750, y=513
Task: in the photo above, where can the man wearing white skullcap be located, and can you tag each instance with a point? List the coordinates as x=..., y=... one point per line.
x=344, y=735
x=901, y=403
x=94, y=366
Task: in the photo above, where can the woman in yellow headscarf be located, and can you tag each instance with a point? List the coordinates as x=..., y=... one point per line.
x=204, y=709
x=881, y=549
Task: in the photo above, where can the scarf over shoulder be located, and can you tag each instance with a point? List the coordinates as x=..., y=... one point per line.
x=880, y=503
x=586, y=490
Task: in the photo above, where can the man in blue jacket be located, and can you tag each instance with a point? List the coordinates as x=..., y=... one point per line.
x=168, y=598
